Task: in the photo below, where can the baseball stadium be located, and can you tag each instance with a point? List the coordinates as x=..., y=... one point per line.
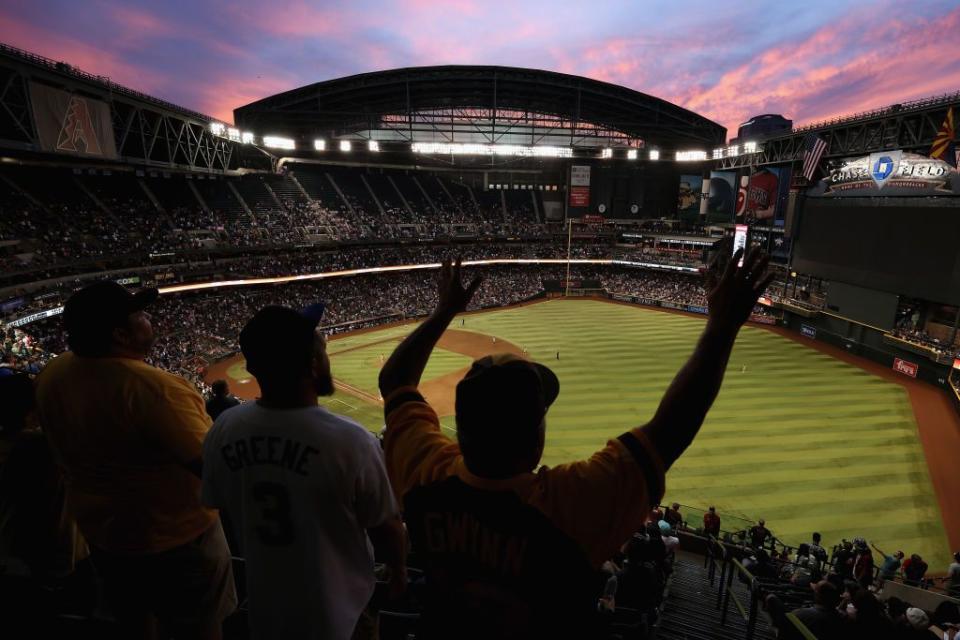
x=594, y=214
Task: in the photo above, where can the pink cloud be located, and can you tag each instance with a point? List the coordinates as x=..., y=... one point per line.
x=82, y=55
x=808, y=80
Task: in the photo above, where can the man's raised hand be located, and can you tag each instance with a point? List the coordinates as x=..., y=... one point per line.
x=453, y=297
x=736, y=292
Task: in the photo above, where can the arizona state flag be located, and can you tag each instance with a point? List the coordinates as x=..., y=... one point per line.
x=943, y=147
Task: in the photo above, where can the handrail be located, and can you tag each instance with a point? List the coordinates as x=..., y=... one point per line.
x=63, y=67
x=800, y=627
x=921, y=103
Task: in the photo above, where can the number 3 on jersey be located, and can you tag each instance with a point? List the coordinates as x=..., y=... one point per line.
x=276, y=527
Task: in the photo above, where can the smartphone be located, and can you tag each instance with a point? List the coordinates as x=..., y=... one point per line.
x=740, y=241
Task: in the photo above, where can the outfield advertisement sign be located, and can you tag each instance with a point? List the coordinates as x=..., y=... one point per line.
x=808, y=331
x=696, y=309
x=905, y=367
x=754, y=317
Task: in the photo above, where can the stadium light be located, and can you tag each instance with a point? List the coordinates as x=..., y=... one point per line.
x=217, y=128
x=345, y=145
x=631, y=154
x=654, y=154
x=606, y=153
x=733, y=150
x=691, y=156
x=491, y=149
x=234, y=134
x=276, y=142
x=319, y=145
x=246, y=137
x=373, y=145
x=718, y=153
x=749, y=147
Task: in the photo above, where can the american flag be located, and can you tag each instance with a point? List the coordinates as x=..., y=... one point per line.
x=813, y=148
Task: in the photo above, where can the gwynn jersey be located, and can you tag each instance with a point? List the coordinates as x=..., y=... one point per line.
x=519, y=554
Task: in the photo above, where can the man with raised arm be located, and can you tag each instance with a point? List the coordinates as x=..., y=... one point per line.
x=510, y=548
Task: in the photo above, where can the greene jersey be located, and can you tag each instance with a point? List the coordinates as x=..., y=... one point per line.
x=299, y=488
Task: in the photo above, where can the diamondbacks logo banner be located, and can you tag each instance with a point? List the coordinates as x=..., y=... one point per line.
x=71, y=123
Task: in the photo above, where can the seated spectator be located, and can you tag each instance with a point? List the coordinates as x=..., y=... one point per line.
x=866, y=618
x=128, y=437
x=822, y=619
x=220, y=399
x=310, y=571
x=645, y=569
x=535, y=577
x=914, y=569
x=919, y=625
x=711, y=523
x=673, y=517
x=953, y=576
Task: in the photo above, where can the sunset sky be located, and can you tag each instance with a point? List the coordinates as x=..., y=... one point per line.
x=726, y=60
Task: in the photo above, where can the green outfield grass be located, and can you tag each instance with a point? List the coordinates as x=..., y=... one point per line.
x=801, y=439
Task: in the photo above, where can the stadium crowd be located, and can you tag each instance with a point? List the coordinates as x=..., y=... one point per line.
x=195, y=328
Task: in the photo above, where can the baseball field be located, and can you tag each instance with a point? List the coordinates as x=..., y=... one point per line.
x=805, y=440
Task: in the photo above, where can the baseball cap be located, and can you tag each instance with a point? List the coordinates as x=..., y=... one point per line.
x=279, y=339
x=97, y=309
x=502, y=384
x=917, y=618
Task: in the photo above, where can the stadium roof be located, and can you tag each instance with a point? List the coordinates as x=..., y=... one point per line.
x=483, y=104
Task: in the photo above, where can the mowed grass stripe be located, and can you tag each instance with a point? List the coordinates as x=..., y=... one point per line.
x=806, y=441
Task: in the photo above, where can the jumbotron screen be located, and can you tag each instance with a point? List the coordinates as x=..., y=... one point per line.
x=911, y=249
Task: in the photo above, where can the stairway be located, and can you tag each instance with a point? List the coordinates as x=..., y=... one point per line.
x=690, y=609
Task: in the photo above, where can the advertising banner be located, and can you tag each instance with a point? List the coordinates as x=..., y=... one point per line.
x=697, y=309
x=688, y=199
x=71, y=123
x=759, y=196
x=722, y=196
x=905, y=367
x=33, y=317
x=889, y=173
x=580, y=186
x=754, y=317
x=808, y=331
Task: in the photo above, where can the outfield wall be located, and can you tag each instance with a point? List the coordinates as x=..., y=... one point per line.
x=867, y=342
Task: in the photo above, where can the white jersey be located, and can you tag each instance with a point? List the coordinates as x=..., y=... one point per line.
x=299, y=488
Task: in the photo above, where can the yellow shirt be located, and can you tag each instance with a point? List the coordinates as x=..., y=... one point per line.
x=122, y=431
x=599, y=502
